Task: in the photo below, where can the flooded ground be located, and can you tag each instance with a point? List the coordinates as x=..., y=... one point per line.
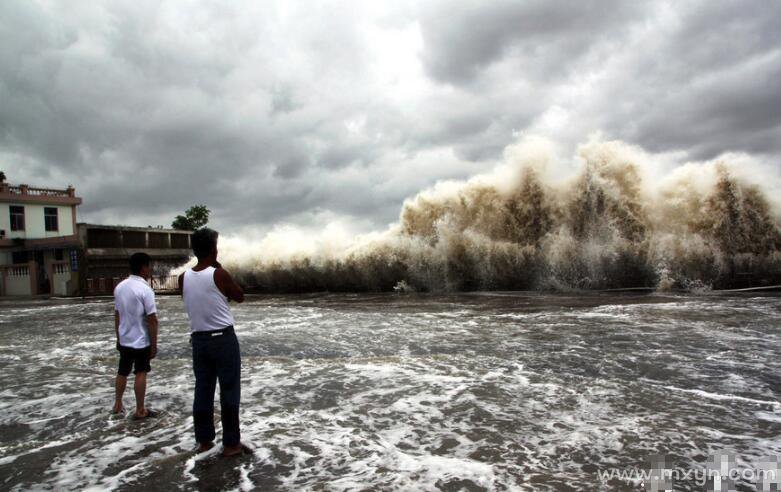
x=403, y=392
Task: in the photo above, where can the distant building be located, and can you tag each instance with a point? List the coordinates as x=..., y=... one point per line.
x=104, y=252
x=38, y=240
x=43, y=251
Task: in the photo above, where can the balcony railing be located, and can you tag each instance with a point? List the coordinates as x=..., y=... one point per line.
x=33, y=191
x=167, y=283
x=106, y=285
x=18, y=270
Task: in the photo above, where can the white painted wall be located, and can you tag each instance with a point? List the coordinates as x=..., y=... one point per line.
x=5, y=219
x=60, y=279
x=18, y=285
x=34, y=225
x=64, y=222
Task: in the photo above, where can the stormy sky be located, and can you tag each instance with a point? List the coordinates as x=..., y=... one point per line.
x=308, y=112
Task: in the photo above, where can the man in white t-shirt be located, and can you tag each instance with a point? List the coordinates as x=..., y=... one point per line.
x=135, y=322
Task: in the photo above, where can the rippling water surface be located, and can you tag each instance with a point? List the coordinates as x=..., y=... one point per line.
x=420, y=392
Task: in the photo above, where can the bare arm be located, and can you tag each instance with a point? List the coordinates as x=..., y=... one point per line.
x=152, y=324
x=227, y=285
x=116, y=326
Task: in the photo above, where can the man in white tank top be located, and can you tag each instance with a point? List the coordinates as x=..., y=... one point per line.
x=206, y=289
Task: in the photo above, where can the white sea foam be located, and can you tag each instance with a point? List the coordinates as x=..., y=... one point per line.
x=392, y=396
x=719, y=396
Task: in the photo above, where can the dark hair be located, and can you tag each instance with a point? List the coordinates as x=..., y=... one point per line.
x=204, y=242
x=138, y=261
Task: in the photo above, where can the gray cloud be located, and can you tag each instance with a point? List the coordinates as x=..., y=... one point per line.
x=692, y=76
x=272, y=113
x=542, y=37
x=694, y=79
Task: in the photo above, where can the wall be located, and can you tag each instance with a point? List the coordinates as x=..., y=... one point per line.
x=60, y=276
x=34, y=225
x=5, y=219
x=18, y=282
x=64, y=222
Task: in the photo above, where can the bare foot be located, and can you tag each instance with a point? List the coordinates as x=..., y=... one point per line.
x=118, y=410
x=205, y=446
x=232, y=450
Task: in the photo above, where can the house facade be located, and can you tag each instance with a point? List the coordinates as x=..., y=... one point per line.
x=43, y=251
x=38, y=241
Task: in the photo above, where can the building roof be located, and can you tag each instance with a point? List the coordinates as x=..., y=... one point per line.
x=131, y=228
x=29, y=194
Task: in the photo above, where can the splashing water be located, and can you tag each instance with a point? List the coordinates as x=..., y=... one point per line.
x=425, y=392
x=613, y=223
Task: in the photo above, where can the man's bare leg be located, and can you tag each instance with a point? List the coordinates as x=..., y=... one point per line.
x=120, y=390
x=139, y=387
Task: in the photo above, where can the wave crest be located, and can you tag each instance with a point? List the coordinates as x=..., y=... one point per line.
x=610, y=224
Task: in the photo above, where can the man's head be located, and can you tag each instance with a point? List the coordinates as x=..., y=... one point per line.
x=140, y=265
x=204, y=242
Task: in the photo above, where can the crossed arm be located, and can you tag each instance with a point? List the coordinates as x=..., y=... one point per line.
x=227, y=285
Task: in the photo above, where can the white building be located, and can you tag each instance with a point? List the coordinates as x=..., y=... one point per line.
x=39, y=246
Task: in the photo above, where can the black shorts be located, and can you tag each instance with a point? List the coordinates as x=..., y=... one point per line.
x=130, y=357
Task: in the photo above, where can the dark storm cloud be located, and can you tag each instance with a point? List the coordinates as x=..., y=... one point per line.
x=106, y=93
x=542, y=36
x=736, y=110
x=271, y=112
x=712, y=85
x=694, y=76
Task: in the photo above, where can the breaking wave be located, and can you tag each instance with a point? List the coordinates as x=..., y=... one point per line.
x=618, y=220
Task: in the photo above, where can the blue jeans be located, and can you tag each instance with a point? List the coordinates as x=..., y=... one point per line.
x=216, y=358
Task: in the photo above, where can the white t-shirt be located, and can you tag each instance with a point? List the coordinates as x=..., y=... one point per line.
x=134, y=300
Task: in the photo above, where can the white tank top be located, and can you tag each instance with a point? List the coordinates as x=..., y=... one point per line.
x=207, y=307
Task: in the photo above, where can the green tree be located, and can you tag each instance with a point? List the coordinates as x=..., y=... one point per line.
x=2, y=177
x=194, y=218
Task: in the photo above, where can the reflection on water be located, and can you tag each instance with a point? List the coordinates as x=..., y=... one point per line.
x=418, y=392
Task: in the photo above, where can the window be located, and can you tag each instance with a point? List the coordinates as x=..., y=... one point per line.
x=20, y=257
x=17, y=218
x=58, y=256
x=50, y=218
